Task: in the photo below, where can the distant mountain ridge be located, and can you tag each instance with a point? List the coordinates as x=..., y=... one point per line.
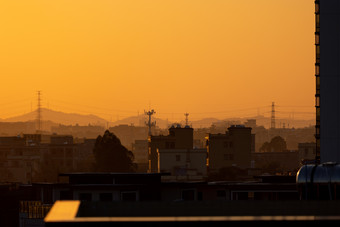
x=59, y=117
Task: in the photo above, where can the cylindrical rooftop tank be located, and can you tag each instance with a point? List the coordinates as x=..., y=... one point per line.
x=324, y=173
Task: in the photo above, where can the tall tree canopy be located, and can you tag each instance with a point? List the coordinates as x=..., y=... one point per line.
x=277, y=144
x=111, y=156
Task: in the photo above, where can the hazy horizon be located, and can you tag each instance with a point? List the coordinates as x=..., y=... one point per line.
x=64, y=118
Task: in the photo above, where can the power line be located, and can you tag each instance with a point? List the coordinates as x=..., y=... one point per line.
x=245, y=112
x=94, y=107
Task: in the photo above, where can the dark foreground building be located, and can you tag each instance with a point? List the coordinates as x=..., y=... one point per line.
x=232, y=213
x=102, y=199
x=106, y=199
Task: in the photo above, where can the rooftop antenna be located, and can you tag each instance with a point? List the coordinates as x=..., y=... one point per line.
x=186, y=119
x=149, y=123
x=272, y=125
x=39, y=112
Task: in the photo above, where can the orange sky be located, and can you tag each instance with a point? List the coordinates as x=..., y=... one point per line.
x=115, y=58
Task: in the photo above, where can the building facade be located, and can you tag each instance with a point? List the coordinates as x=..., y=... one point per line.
x=178, y=138
x=183, y=164
x=233, y=148
x=307, y=152
x=140, y=152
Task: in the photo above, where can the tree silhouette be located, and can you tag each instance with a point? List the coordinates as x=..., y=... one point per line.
x=277, y=144
x=265, y=147
x=111, y=156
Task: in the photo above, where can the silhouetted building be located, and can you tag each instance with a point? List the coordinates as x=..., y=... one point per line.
x=62, y=153
x=127, y=134
x=307, y=152
x=140, y=152
x=183, y=164
x=178, y=138
x=233, y=148
x=19, y=159
x=85, y=149
x=147, y=187
x=27, y=158
x=285, y=162
x=80, y=131
x=251, y=123
x=327, y=36
x=16, y=128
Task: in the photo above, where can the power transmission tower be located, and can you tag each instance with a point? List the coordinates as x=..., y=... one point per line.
x=149, y=123
x=39, y=113
x=272, y=125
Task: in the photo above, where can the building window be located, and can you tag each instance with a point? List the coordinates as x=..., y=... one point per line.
x=231, y=144
x=221, y=194
x=15, y=164
x=317, y=8
x=66, y=195
x=129, y=196
x=251, y=195
x=200, y=196
x=69, y=163
x=105, y=197
x=228, y=157
x=85, y=196
x=188, y=195
x=69, y=153
x=306, y=151
x=53, y=151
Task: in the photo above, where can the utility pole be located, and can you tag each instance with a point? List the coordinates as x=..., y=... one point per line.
x=149, y=123
x=39, y=113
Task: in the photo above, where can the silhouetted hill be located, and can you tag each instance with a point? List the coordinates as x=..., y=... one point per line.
x=59, y=118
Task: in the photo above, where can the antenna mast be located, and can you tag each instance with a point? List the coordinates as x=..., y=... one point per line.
x=186, y=119
x=149, y=123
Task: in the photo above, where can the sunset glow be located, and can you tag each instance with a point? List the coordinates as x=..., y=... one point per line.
x=118, y=58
